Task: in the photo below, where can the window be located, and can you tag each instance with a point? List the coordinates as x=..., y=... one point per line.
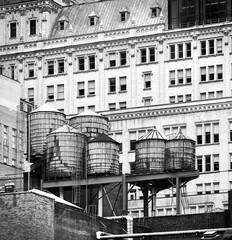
x=207, y=188
x=172, y=99
x=132, y=140
x=91, y=87
x=123, y=16
x=13, y=161
x=211, y=46
x=147, y=54
x=5, y=159
x=61, y=25
x=203, y=48
x=13, y=30
x=207, y=133
x=1, y=70
x=112, y=59
x=230, y=131
x=80, y=89
x=61, y=66
x=172, y=77
x=92, y=62
x=188, y=97
x=147, y=101
x=211, y=72
x=203, y=74
x=202, y=96
x=215, y=162
x=5, y=135
x=14, y=134
x=112, y=106
x=122, y=82
x=168, y=211
x=12, y=71
x=92, y=108
x=30, y=95
x=122, y=105
x=50, y=92
x=80, y=110
x=112, y=85
x=31, y=70
x=211, y=95
x=216, y=187
x=180, y=76
x=32, y=26
x=188, y=50
x=143, y=53
x=92, y=21
x=219, y=72
x=60, y=91
x=215, y=132
x=20, y=140
x=199, y=134
x=51, y=67
x=219, y=94
x=122, y=58
x=180, y=50
x=81, y=63
x=151, y=54
x=172, y=52
x=199, y=189
x=208, y=163
x=155, y=12
x=188, y=75
x=180, y=98
x=199, y=163
x=147, y=80
x=219, y=45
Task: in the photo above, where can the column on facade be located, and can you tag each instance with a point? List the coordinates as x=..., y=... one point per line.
x=132, y=97
x=39, y=86
x=23, y=26
x=69, y=84
x=3, y=29
x=45, y=22
x=20, y=60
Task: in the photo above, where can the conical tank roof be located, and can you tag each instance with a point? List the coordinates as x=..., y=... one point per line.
x=89, y=113
x=46, y=108
x=103, y=138
x=65, y=128
x=180, y=136
x=153, y=134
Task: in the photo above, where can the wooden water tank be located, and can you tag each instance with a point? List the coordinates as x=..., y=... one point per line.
x=103, y=156
x=90, y=123
x=180, y=153
x=150, y=153
x=42, y=121
x=65, y=154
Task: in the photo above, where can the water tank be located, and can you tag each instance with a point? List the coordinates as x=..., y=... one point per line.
x=180, y=153
x=65, y=153
x=103, y=156
x=150, y=153
x=42, y=121
x=90, y=123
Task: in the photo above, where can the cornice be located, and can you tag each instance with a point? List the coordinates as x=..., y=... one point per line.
x=167, y=111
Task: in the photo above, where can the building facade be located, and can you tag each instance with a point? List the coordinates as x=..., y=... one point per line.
x=123, y=60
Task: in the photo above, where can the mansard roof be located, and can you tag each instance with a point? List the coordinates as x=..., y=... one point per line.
x=108, y=12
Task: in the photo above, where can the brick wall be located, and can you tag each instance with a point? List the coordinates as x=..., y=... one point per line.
x=26, y=216
x=185, y=222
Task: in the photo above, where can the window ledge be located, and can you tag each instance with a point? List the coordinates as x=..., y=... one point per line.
x=123, y=91
x=50, y=100
x=111, y=93
x=179, y=59
x=211, y=55
x=206, y=144
x=60, y=99
x=146, y=63
x=81, y=96
x=30, y=78
x=91, y=95
x=147, y=89
x=131, y=151
x=211, y=81
x=180, y=85
x=117, y=67
x=85, y=71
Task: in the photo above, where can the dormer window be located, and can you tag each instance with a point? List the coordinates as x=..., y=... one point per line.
x=93, y=17
x=62, y=23
x=155, y=10
x=124, y=14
